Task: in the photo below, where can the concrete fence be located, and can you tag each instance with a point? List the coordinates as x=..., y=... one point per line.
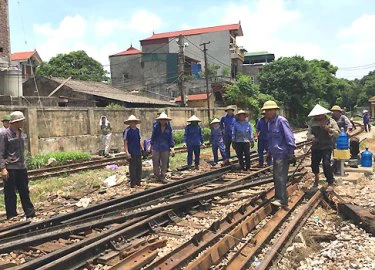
x=77, y=129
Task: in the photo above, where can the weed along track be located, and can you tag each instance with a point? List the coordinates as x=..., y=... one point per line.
x=219, y=218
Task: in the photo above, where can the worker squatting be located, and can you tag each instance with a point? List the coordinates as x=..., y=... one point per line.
x=273, y=133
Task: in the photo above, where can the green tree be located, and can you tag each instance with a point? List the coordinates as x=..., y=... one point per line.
x=299, y=84
x=366, y=88
x=245, y=94
x=77, y=65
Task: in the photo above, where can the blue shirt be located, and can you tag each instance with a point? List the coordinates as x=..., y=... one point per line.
x=242, y=132
x=262, y=128
x=162, y=141
x=193, y=135
x=226, y=123
x=281, y=140
x=216, y=136
x=155, y=122
x=133, y=137
x=366, y=118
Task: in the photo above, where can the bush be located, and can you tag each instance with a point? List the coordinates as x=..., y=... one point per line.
x=206, y=134
x=178, y=136
x=114, y=106
x=39, y=161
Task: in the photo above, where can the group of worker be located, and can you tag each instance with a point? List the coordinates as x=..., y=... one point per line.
x=273, y=133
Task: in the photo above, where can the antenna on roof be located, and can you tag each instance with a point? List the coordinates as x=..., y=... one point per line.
x=239, y=21
x=153, y=32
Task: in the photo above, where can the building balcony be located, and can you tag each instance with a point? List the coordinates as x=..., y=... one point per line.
x=237, y=54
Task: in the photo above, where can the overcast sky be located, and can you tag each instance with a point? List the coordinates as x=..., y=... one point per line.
x=340, y=31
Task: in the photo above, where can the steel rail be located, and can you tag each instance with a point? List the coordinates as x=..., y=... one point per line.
x=183, y=254
x=291, y=228
x=76, y=255
x=247, y=251
x=135, y=198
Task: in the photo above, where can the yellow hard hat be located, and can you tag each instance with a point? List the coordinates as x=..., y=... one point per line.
x=270, y=105
x=336, y=108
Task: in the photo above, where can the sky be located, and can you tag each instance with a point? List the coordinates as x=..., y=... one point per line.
x=339, y=31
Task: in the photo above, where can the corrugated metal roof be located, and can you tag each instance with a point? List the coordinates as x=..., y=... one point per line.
x=104, y=90
x=197, y=31
x=193, y=97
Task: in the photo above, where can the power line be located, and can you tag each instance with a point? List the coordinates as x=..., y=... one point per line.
x=371, y=65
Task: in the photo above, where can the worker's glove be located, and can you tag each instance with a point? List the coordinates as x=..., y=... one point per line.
x=172, y=152
x=292, y=159
x=4, y=174
x=252, y=144
x=184, y=145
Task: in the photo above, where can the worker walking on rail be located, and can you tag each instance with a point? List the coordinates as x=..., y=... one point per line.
x=281, y=146
x=226, y=123
x=133, y=150
x=243, y=139
x=193, y=139
x=366, y=121
x=217, y=142
x=6, y=124
x=323, y=132
x=162, y=145
x=13, y=167
x=262, y=137
x=106, y=130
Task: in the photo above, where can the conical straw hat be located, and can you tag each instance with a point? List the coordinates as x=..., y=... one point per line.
x=215, y=121
x=242, y=112
x=163, y=116
x=318, y=110
x=131, y=119
x=193, y=119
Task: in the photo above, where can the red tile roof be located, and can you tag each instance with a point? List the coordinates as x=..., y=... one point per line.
x=130, y=51
x=197, y=31
x=21, y=55
x=193, y=97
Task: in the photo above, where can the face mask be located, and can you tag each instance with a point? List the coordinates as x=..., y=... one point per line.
x=194, y=123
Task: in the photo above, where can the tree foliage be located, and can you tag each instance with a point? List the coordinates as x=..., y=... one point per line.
x=299, y=84
x=77, y=65
x=245, y=94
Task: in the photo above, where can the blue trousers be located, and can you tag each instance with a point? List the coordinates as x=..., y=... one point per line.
x=263, y=146
x=280, y=177
x=215, y=148
x=227, y=142
x=196, y=149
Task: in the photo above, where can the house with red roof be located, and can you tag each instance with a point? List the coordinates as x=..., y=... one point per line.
x=27, y=62
x=197, y=100
x=154, y=67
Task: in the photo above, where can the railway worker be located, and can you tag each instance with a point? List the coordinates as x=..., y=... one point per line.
x=160, y=111
x=13, y=168
x=193, y=139
x=5, y=120
x=281, y=146
x=106, y=130
x=323, y=131
x=217, y=142
x=133, y=150
x=366, y=120
x=226, y=123
x=340, y=118
x=162, y=145
x=243, y=140
x=262, y=137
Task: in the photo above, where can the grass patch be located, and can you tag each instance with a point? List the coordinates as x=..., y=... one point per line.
x=61, y=158
x=178, y=136
x=180, y=159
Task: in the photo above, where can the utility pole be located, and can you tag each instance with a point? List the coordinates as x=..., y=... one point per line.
x=206, y=75
x=181, y=69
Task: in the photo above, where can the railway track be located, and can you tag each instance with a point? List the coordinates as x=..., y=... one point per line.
x=213, y=213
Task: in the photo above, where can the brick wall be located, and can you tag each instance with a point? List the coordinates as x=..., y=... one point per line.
x=4, y=29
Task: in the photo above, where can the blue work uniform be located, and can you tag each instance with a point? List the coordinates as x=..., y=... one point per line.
x=217, y=142
x=133, y=138
x=162, y=141
x=262, y=129
x=281, y=144
x=226, y=123
x=193, y=138
x=242, y=137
